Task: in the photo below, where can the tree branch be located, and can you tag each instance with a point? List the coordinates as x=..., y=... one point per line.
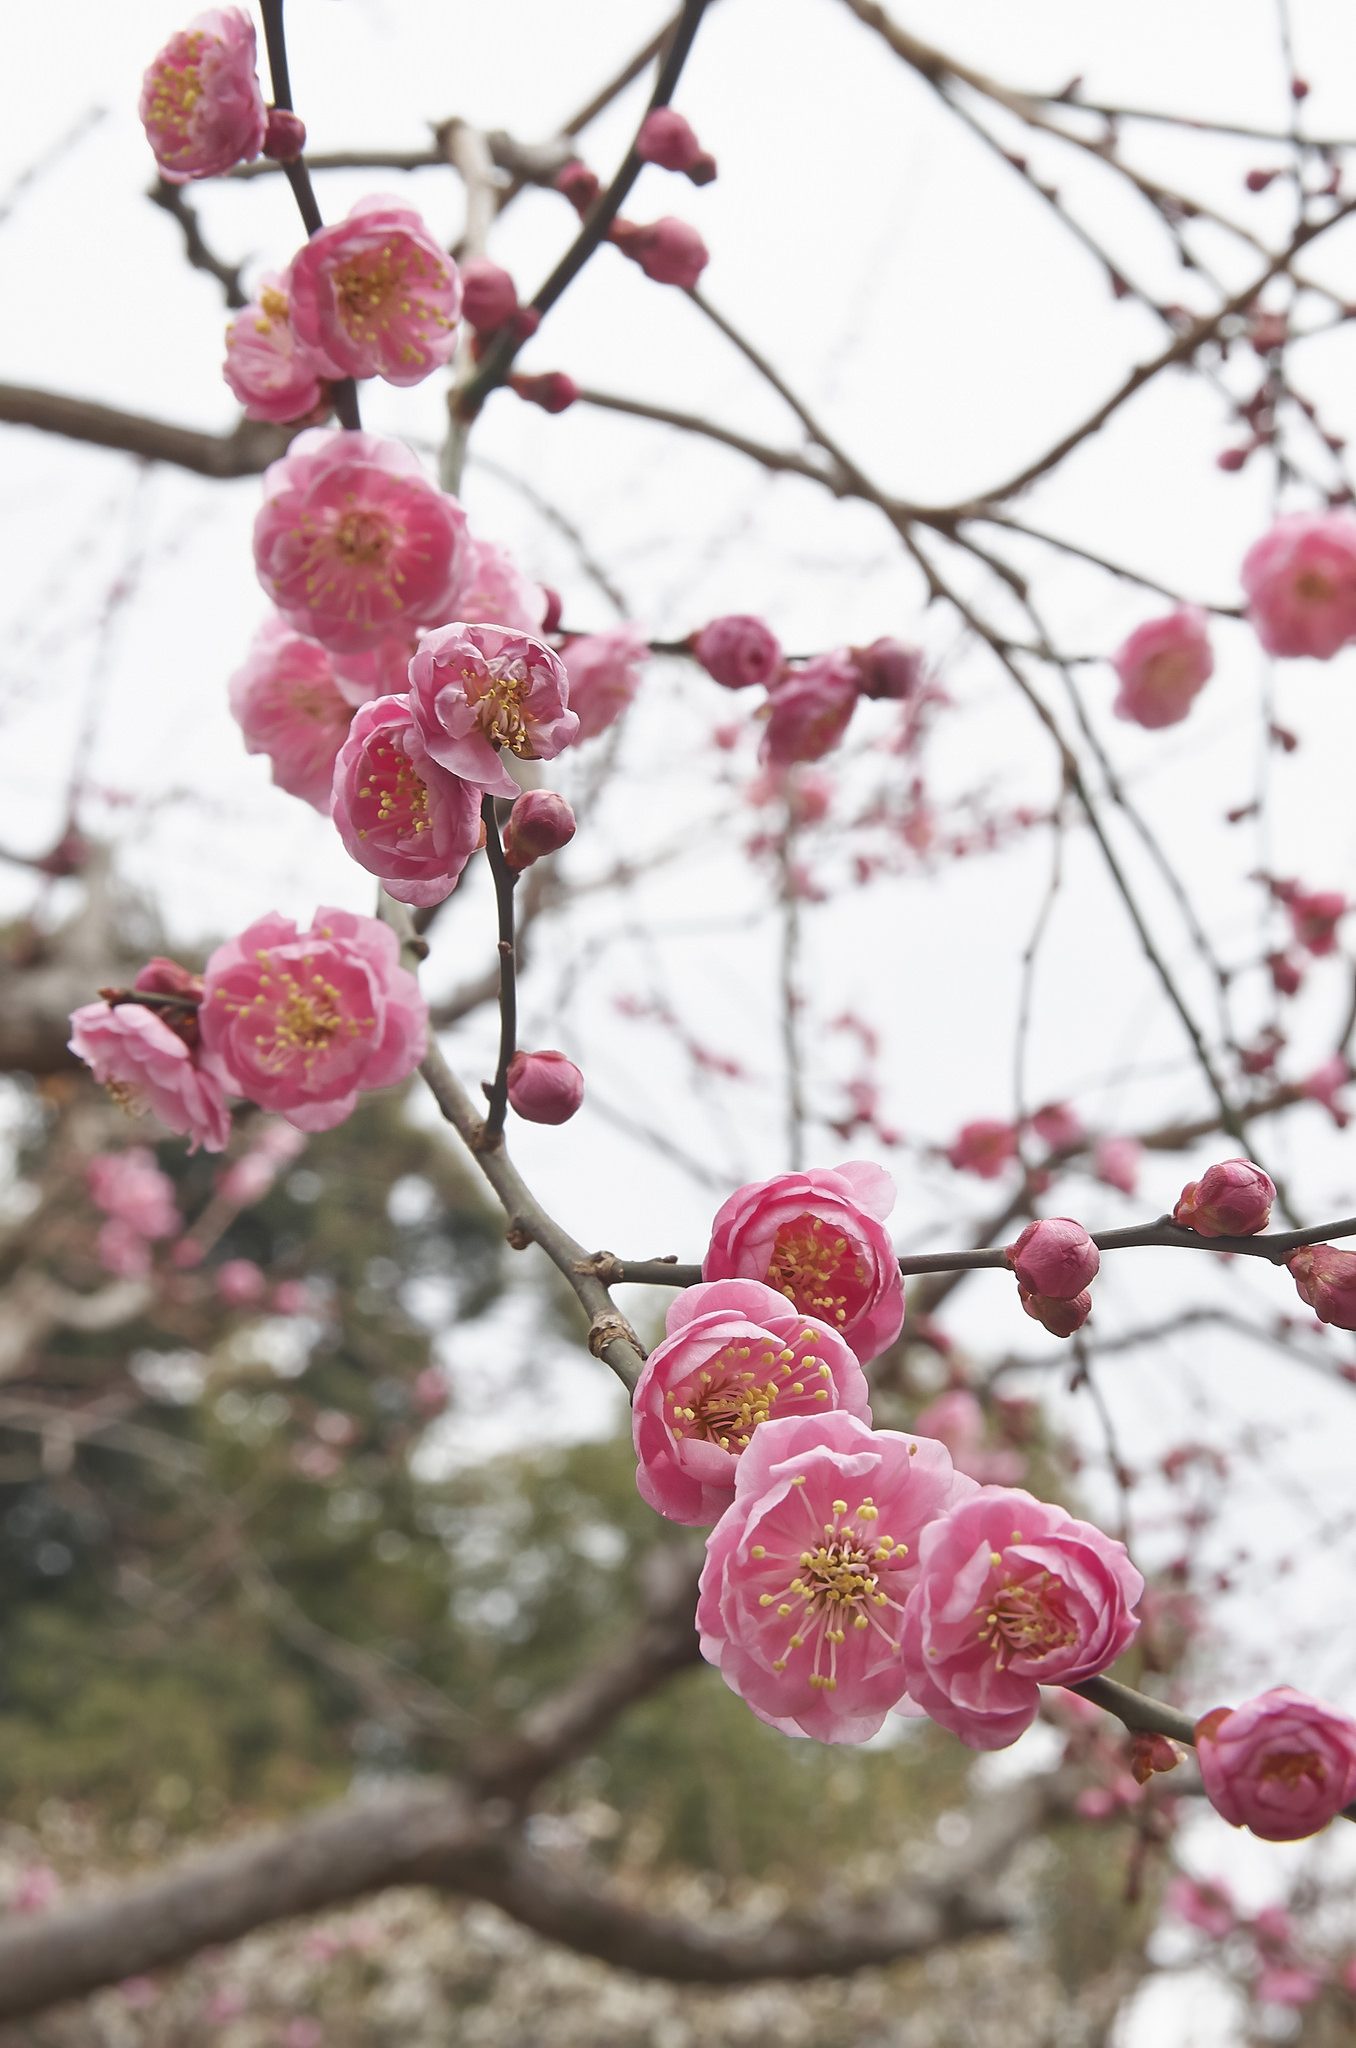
x=245, y=451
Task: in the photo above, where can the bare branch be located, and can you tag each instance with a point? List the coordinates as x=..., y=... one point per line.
x=245, y=451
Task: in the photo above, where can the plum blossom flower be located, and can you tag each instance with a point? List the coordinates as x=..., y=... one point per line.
x=808, y=1570
x=273, y=374
x=491, y=589
x=1288, y=1984
x=738, y=650
x=475, y=690
x=811, y=707
x=1315, y=915
x=1115, y=1161
x=736, y=1355
x=1204, y=1903
x=1058, y=1126
x=889, y=669
x=131, y=1187
x=1012, y=1593
x=402, y=816
x=376, y=296
x=382, y=670
x=1282, y=1765
x=145, y=1065
x=302, y=1021
x=1300, y=581
x=605, y=671
x=489, y=295
x=240, y=1283
x=819, y=1239
x=544, y=1087
x=1162, y=667
x=984, y=1147
x=1232, y=1199
x=1054, y=1256
x=200, y=102
x=1326, y=1279
x=289, y=706
x=353, y=545
x=1325, y=1085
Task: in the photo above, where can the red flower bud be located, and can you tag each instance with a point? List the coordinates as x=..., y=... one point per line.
x=284, y=135
x=544, y=1087
x=668, y=250
x=540, y=822
x=552, y=390
x=1232, y=1199
x=1054, y=1257
x=1326, y=1279
x=489, y=295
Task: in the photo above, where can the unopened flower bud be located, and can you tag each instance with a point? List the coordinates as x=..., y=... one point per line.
x=1054, y=1257
x=489, y=295
x=668, y=140
x=544, y=1087
x=1232, y=1199
x=1060, y=1318
x=1286, y=974
x=1315, y=915
x=540, y=822
x=738, y=650
x=164, y=977
x=284, y=135
x=240, y=1283
x=669, y=251
x=1326, y=1279
x=1151, y=1753
x=552, y=390
x=579, y=184
x=887, y=668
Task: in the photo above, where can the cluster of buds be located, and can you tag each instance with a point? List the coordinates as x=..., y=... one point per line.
x=1055, y=1262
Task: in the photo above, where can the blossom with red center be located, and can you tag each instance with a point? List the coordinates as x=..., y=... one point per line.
x=810, y=709
x=289, y=706
x=605, y=671
x=477, y=690
x=273, y=374
x=1162, y=667
x=302, y=1021
x=1283, y=1765
x=1013, y=1593
x=147, y=1065
x=400, y=815
x=200, y=101
x=735, y=1356
x=1232, y=1199
x=807, y=1572
x=983, y=1147
x=1300, y=581
x=491, y=589
x=1326, y=1279
x=376, y=296
x=352, y=543
x=130, y=1187
x=819, y=1239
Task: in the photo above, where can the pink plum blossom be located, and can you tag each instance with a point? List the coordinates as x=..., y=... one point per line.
x=818, y=1238
x=889, y=669
x=605, y=671
x=669, y=251
x=1232, y=1199
x=811, y=707
x=540, y=823
x=667, y=139
x=1162, y=667
x=489, y=295
x=130, y=1186
x=1287, y=1984
x=1054, y=1256
x=1116, y=1162
x=1204, y=1903
x=145, y=1065
x=544, y=1087
x=807, y=1572
x=1300, y=580
x=1282, y=1765
x=1060, y=1314
x=302, y=1021
x=284, y=135
x=1315, y=915
x=1326, y=1279
x=289, y=706
x=200, y=102
x=275, y=376
x=1325, y=1085
x=240, y=1283
x=400, y=815
x=956, y=1419
x=983, y=1147
x=477, y=690
x=735, y=1356
x=351, y=543
x=738, y=650
x=1013, y=1593
x=292, y=1298
x=1058, y=1126
x=376, y=296
x=382, y=670
x=492, y=590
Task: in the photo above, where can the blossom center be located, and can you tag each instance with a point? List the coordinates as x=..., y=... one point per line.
x=361, y=538
x=1290, y=1769
x=496, y=696
x=1025, y=1618
x=815, y=1267
x=1313, y=587
x=837, y=1588
x=400, y=795
x=724, y=1401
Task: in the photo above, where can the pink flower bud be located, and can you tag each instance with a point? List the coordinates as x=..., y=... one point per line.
x=1283, y=1765
x=1258, y=180
x=579, y=184
x=1150, y=1754
x=1326, y=1279
x=489, y=295
x=1054, y=1257
x=738, y=650
x=540, y=822
x=1061, y=1318
x=668, y=140
x=887, y=668
x=1315, y=915
x=544, y=1087
x=292, y=1298
x=552, y=390
x=1325, y=1085
x=284, y=135
x=1058, y=1126
x=669, y=251
x=1232, y=1199
x=811, y=707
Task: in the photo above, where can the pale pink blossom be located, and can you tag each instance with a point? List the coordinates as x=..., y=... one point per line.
x=819, y=1238
x=302, y=1021
x=1232, y=1199
x=289, y=706
x=400, y=815
x=1058, y=1126
x=131, y=1187
x=1282, y=1765
x=491, y=590
x=1061, y=1315
x=1116, y=1162
x=1326, y=1084
x=476, y=691
x=669, y=251
x=540, y=823
x=273, y=374
x=1013, y=1593
x=145, y=1065
x=1054, y=1256
x=544, y=1087
x=1288, y=1984
x=352, y=543
x=122, y=1250
x=605, y=671
x=738, y=650
x=1326, y=1279
x=376, y=295
x=240, y=1283
x=1300, y=580
x=956, y=1419
x=1204, y=1903
x=1162, y=667
x=200, y=102
x=810, y=709
x=735, y=1356
x=984, y=1147
x=808, y=1570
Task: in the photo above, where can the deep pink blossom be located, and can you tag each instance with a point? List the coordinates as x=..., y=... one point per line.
x=289, y=706
x=544, y=1087
x=1204, y=1903
x=1232, y=1199
x=1013, y=1593
x=810, y=709
x=1300, y=580
x=492, y=590
x=200, y=102
x=736, y=1355
x=1282, y=1765
x=605, y=671
x=669, y=251
x=1061, y=1315
x=984, y=1147
x=352, y=543
x=1058, y=1126
x=956, y=1419
x=808, y=1570
x=1116, y=1162
x=540, y=823
x=738, y=650
x=1315, y=915
x=1326, y=1279
x=1054, y=1256
x=145, y=1065
x=274, y=375
x=301, y=1021
x=478, y=690
x=667, y=139
x=489, y=295
x=400, y=815
x=376, y=295
x=818, y=1238
x=889, y=669
x=1162, y=667
x=131, y=1187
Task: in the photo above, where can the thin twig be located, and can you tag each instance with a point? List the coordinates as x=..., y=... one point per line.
x=505, y=883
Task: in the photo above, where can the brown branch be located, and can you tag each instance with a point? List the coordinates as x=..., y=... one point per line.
x=171, y=199
x=245, y=451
